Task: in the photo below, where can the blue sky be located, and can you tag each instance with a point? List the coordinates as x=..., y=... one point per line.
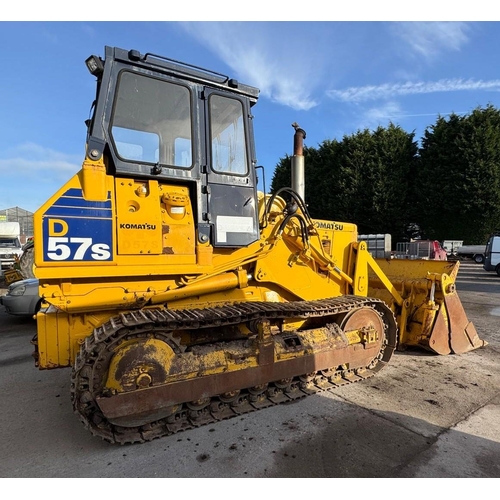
x=332, y=77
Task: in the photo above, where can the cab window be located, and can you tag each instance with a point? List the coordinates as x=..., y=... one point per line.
x=227, y=136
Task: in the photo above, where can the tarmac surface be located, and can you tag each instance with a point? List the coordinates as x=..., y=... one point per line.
x=423, y=416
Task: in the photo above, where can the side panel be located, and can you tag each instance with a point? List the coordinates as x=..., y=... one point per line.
x=76, y=230
x=492, y=253
x=495, y=251
x=300, y=273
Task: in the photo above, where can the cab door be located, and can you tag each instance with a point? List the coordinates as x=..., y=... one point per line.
x=230, y=174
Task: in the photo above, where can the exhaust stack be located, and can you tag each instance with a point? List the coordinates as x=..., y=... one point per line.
x=298, y=173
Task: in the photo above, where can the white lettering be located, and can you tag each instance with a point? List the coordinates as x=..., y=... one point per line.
x=58, y=249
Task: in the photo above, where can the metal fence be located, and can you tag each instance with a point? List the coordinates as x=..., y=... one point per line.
x=414, y=250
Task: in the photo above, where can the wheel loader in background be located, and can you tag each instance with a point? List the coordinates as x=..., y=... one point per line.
x=179, y=295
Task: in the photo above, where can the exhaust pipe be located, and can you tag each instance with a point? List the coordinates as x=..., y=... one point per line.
x=298, y=173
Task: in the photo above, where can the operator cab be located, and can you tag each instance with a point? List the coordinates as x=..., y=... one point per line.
x=158, y=118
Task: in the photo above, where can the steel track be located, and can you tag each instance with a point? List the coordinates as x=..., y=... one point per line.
x=89, y=369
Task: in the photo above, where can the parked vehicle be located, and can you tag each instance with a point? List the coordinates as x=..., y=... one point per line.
x=10, y=245
x=451, y=246
x=22, y=298
x=474, y=252
x=492, y=254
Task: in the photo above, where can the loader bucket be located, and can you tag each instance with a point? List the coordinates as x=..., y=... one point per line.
x=426, y=303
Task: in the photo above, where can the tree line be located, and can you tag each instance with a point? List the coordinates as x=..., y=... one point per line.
x=448, y=187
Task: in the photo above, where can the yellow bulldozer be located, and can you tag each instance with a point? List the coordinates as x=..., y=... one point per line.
x=180, y=295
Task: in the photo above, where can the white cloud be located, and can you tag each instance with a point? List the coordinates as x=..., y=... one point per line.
x=388, y=111
x=29, y=159
x=387, y=90
x=380, y=115
x=31, y=173
x=430, y=39
x=284, y=63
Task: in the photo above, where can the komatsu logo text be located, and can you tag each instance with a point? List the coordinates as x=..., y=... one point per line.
x=330, y=225
x=138, y=226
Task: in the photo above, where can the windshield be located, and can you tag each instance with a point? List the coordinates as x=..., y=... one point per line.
x=10, y=242
x=152, y=121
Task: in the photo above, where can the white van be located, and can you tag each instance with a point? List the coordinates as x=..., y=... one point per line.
x=10, y=246
x=492, y=254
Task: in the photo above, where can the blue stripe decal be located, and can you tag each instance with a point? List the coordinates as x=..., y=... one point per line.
x=80, y=202
x=79, y=212
x=77, y=193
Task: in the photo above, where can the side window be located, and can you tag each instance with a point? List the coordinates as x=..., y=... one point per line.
x=227, y=136
x=151, y=121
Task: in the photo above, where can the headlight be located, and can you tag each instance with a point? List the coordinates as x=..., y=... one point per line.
x=18, y=290
x=94, y=65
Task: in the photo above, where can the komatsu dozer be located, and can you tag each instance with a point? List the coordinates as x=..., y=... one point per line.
x=180, y=295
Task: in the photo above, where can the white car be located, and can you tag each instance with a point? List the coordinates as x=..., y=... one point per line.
x=22, y=298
